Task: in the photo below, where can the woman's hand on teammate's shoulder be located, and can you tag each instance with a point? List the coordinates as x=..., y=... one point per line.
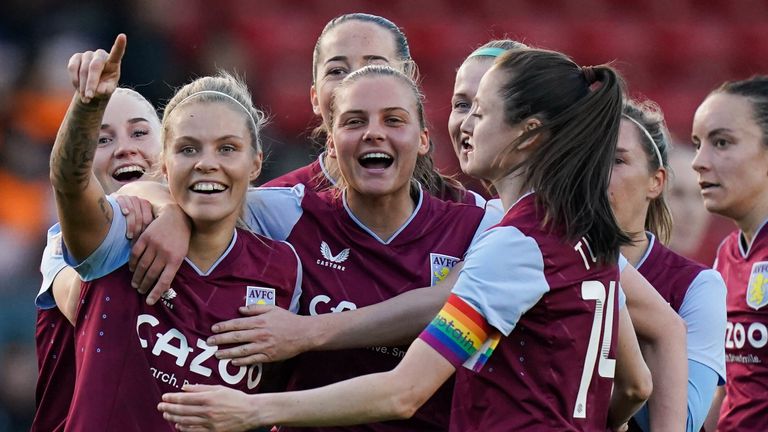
x=137, y=212
x=159, y=251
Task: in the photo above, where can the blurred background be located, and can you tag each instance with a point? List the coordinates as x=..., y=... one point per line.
x=672, y=51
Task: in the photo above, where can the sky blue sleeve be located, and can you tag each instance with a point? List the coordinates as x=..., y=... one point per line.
x=492, y=216
x=274, y=211
x=622, y=264
x=294, y=306
x=479, y=200
x=702, y=382
x=51, y=264
x=503, y=276
x=113, y=252
x=704, y=313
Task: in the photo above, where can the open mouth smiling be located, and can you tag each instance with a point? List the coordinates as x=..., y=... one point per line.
x=376, y=160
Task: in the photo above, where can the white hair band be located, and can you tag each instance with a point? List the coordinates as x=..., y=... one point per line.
x=647, y=135
x=247, y=111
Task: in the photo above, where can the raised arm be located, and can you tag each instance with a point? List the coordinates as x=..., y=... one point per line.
x=661, y=333
x=269, y=334
x=84, y=213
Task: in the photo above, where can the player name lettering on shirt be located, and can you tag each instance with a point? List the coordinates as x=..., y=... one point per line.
x=175, y=343
x=580, y=246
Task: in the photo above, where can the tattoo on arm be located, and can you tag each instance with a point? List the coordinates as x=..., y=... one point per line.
x=72, y=155
x=106, y=210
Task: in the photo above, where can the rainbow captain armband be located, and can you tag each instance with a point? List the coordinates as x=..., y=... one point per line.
x=461, y=335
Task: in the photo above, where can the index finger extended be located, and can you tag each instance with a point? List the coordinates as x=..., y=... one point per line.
x=118, y=49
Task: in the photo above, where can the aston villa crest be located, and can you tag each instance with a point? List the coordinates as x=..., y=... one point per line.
x=758, y=283
x=440, y=265
x=259, y=296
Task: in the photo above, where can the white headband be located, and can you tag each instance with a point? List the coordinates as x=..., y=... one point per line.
x=247, y=111
x=647, y=135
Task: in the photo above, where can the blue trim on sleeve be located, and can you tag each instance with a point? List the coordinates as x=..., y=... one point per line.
x=479, y=200
x=294, y=306
x=704, y=313
x=503, y=276
x=113, y=252
x=622, y=297
x=50, y=265
x=274, y=211
x=494, y=212
x=622, y=263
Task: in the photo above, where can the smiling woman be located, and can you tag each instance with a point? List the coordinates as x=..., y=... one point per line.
x=129, y=141
x=346, y=44
x=211, y=153
x=377, y=235
x=375, y=137
x=208, y=160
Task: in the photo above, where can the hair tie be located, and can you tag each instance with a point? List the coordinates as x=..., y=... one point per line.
x=487, y=52
x=589, y=74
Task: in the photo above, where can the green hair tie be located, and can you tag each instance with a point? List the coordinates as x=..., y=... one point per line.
x=487, y=52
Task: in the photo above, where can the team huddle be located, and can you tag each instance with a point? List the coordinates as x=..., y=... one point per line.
x=367, y=291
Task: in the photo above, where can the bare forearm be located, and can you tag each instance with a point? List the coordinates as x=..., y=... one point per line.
x=84, y=213
x=633, y=382
x=667, y=359
x=365, y=399
x=75, y=145
x=395, y=321
x=661, y=333
x=384, y=396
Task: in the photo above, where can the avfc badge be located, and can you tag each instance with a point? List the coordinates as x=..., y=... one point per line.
x=440, y=265
x=260, y=296
x=757, y=296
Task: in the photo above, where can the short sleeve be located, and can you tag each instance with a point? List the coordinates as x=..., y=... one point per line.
x=50, y=266
x=294, y=306
x=704, y=313
x=622, y=297
x=494, y=212
x=274, y=211
x=479, y=200
x=622, y=262
x=502, y=277
x=113, y=252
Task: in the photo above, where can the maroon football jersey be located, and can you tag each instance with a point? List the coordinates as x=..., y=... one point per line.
x=313, y=176
x=346, y=266
x=671, y=274
x=54, y=337
x=745, y=271
x=554, y=370
x=129, y=354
